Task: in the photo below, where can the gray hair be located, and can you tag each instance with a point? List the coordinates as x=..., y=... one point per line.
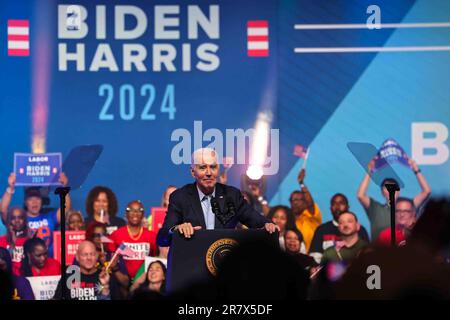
x=201, y=151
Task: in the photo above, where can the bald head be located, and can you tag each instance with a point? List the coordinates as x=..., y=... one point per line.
x=86, y=245
x=87, y=256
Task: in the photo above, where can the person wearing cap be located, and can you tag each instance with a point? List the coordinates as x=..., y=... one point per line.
x=40, y=223
x=379, y=214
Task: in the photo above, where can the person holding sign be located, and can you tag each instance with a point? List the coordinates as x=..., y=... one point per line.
x=137, y=238
x=378, y=213
x=192, y=207
x=40, y=223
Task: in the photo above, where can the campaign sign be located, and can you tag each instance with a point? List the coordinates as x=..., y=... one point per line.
x=44, y=287
x=158, y=216
x=73, y=239
x=390, y=152
x=37, y=169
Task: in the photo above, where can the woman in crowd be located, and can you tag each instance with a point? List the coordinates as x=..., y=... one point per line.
x=293, y=240
x=154, y=280
x=101, y=206
x=284, y=219
x=36, y=261
x=17, y=234
x=21, y=288
x=75, y=221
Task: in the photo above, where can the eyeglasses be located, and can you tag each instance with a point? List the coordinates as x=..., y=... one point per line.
x=403, y=211
x=135, y=209
x=98, y=235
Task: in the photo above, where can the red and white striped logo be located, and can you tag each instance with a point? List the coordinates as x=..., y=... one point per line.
x=258, y=38
x=18, y=37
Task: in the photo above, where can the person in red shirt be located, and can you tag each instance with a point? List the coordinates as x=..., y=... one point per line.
x=139, y=239
x=17, y=234
x=405, y=219
x=36, y=262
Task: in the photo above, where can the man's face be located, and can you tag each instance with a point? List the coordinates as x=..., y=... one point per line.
x=38, y=256
x=87, y=255
x=17, y=220
x=338, y=205
x=34, y=205
x=135, y=214
x=298, y=202
x=405, y=214
x=347, y=224
x=205, y=171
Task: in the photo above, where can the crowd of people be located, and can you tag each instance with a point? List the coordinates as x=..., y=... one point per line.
x=111, y=258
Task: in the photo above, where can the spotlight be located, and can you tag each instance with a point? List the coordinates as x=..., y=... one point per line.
x=254, y=172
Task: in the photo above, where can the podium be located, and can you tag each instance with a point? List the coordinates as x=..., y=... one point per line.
x=198, y=259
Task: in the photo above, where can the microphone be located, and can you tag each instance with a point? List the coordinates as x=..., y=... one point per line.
x=216, y=210
x=231, y=208
x=215, y=206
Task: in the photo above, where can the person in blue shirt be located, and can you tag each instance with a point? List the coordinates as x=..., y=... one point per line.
x=39, y=222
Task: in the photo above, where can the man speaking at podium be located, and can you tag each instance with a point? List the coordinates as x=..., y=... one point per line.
x=207, y=204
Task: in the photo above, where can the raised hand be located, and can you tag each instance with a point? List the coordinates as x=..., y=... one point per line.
x=301, y=176
x=63, y=179
x=413, y=165
x=271, y=227
x=104, y=278
x=371, y=165
x=12, y=180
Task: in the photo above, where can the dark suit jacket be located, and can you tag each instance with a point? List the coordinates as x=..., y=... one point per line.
x=185, y=206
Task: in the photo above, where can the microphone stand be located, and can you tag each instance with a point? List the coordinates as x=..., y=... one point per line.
x=62, y=192
x=392, y=188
